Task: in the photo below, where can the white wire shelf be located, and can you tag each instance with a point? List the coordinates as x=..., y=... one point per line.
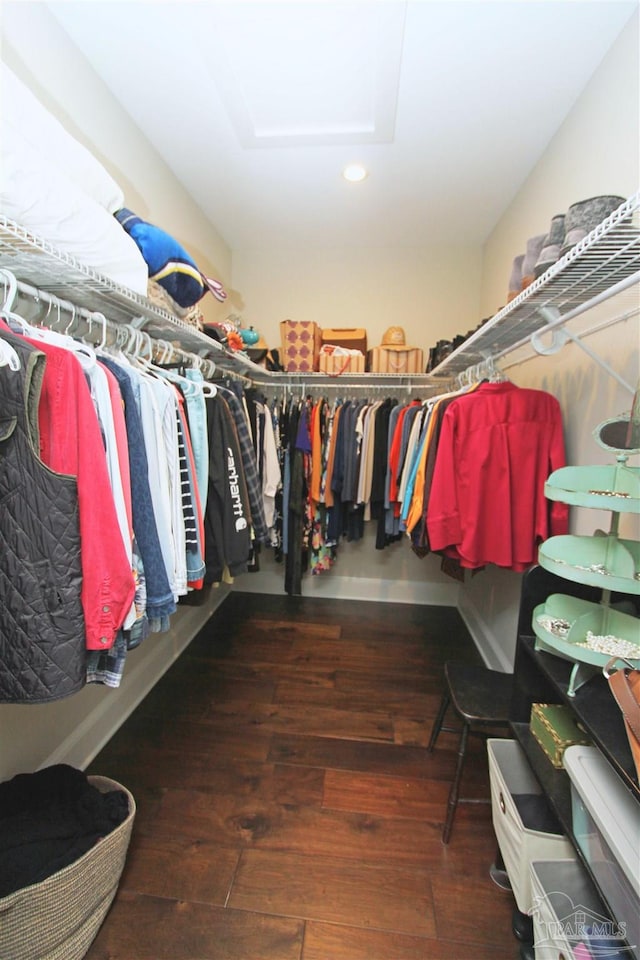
x=608, y=257
x=594, y=268
x=37, y=262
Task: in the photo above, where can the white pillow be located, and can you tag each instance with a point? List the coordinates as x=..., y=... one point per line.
x=41, y=198
x=57, y=147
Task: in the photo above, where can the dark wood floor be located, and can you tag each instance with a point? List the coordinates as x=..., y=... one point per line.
x=287, y=808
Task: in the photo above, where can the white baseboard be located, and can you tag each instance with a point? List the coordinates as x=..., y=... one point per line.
x=335, y=587
x=402, y=591
x=157, y=654
x=491, y=651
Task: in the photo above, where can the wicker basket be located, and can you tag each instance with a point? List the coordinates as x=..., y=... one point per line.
x=58, y=918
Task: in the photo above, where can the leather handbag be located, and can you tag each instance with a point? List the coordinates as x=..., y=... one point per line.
x=625, y=687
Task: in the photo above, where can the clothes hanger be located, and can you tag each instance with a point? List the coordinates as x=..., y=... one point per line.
x=128, y=340
x=8, y=356
x=143, y=341
x=130, y=335
x=18, y=324
x=72, y=322
x=495, y=375
x=47, y=334
x=122, y=349
x=167, y=350
x=21, y=325
x=208, y=389
x=100, y=317
x=208, y=369
x=14, y=321
x=146, y=362
x=10, y=289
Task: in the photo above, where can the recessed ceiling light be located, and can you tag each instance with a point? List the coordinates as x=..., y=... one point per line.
x=355, y=172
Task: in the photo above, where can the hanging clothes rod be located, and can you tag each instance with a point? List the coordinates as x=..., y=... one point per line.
x=111, y=333
x=14, y=287
x=484, y=370
x=345, y=390
x=611, y=322
x=556, y=325
x=361, y=384
x=223, y=373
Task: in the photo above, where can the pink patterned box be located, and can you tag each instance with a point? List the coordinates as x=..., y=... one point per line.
x=300, y=342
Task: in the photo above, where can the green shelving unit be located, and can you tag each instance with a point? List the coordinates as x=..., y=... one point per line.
x=587, y=633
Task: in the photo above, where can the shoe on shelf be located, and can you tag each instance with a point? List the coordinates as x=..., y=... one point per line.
x=552, y=245
x=534, y=248
x=515, y=280
x=583, y=217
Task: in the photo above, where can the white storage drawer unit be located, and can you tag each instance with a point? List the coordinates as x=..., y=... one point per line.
x=511, y=775
x=606, y=826
x=564, y=902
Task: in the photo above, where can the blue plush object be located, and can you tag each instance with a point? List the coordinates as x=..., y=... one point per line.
x=169, y=263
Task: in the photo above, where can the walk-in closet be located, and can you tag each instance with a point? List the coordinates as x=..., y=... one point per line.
x=319, y=480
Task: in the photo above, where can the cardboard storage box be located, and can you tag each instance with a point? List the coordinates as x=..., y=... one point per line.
x=555, y=728
x=351, y=338
x=335, y=364
x=300, y=345
x=388, y=360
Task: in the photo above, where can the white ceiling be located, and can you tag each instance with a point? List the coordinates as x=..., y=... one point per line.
x=257, y=106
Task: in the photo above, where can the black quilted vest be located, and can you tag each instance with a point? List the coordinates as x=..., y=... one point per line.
x=42, y=637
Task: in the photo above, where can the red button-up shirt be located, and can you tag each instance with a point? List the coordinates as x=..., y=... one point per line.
x=496, y=449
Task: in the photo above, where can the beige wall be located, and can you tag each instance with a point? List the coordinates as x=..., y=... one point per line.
x=433, y=293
